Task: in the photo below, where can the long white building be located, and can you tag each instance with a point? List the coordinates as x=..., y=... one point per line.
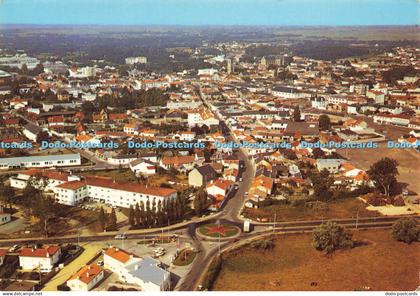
x=46, y=161
x=72, y=190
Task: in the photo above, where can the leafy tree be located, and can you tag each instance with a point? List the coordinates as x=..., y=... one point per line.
x=322, y=183
x=42, y=136
x=406, y=230
x=296, y=114
x=330, y=236
x=383, y=173
x=6, y=195
x=324, y=122
x=44, y=209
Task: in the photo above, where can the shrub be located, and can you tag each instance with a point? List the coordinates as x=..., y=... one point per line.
x=212, y=273
x=406, y=230
x=265, y=244
x=398, y=202
x=330, y=236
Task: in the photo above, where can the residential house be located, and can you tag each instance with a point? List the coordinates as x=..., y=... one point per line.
x=143, y=167
x=200, y=176
x=42, y=259
x=145, y=272
x=86, y=278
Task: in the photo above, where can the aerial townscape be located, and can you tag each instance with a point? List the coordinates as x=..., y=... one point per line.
x=209, y=158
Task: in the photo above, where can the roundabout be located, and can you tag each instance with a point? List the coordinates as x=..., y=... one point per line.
x=218, y=231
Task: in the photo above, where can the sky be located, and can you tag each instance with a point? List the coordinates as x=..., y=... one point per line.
x=211, y=12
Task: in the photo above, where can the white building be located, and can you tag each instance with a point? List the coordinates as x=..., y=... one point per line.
x=144, y=272
x=4, y=217
x=136, y=60
x=46, y=161
x=72, y=190
x=332, y=165
x=42, y=259
x=200, y=117
x=143, y=167
x=86, y=278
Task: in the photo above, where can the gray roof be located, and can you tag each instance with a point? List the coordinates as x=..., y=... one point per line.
x=18, y=160
x=33, y=128
x=206, y=170
x=149, y=271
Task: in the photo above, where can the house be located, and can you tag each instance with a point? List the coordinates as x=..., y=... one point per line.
x=86, y=278
x=177, y=162
x=4, y=217
x=31, y=131
x=145, y=272
x=3, y=254
x=332, y=165
x=43, y=258
x=219, y=187
x=200, y=176
x=143, y=167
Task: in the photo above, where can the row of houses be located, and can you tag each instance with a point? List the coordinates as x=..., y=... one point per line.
x=145, y=272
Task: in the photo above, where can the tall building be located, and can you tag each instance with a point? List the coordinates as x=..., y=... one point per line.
x=229, y=66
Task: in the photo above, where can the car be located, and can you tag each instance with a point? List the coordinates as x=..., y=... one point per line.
x=120, y=236
x=14, y=248
x=100, y=263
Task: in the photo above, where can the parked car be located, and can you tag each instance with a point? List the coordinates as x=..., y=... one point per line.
x=120, y=236
x=14, y=248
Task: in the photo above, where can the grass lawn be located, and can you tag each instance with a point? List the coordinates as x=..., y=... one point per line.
x=119, y=175
x=293, y=264
x=346, y=208
x=185, y=257
x=214, y=230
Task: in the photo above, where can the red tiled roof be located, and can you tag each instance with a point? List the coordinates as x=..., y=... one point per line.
x=87, y=273
x=177, y=160
x=118, y=254
x=131, y=187
x=48, y=174
x=3, y=253
x=41, y=252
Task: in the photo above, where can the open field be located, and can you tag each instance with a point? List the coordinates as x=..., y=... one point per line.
x=380, y=263
x=345, y=208
x=408, y=160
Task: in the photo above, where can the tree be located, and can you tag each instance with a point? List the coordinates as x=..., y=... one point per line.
x=406, y=230
x=383, y=173
x=296, y=114
x=322, y=183
x=112, y=221
x=200, y=202
x=324, y=122
x=330, y=236
x=42, y=136
x=102, y=219
x=6, y=195
x=131, y=215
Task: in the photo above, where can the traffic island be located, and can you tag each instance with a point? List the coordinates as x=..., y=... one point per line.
x=215, y=231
